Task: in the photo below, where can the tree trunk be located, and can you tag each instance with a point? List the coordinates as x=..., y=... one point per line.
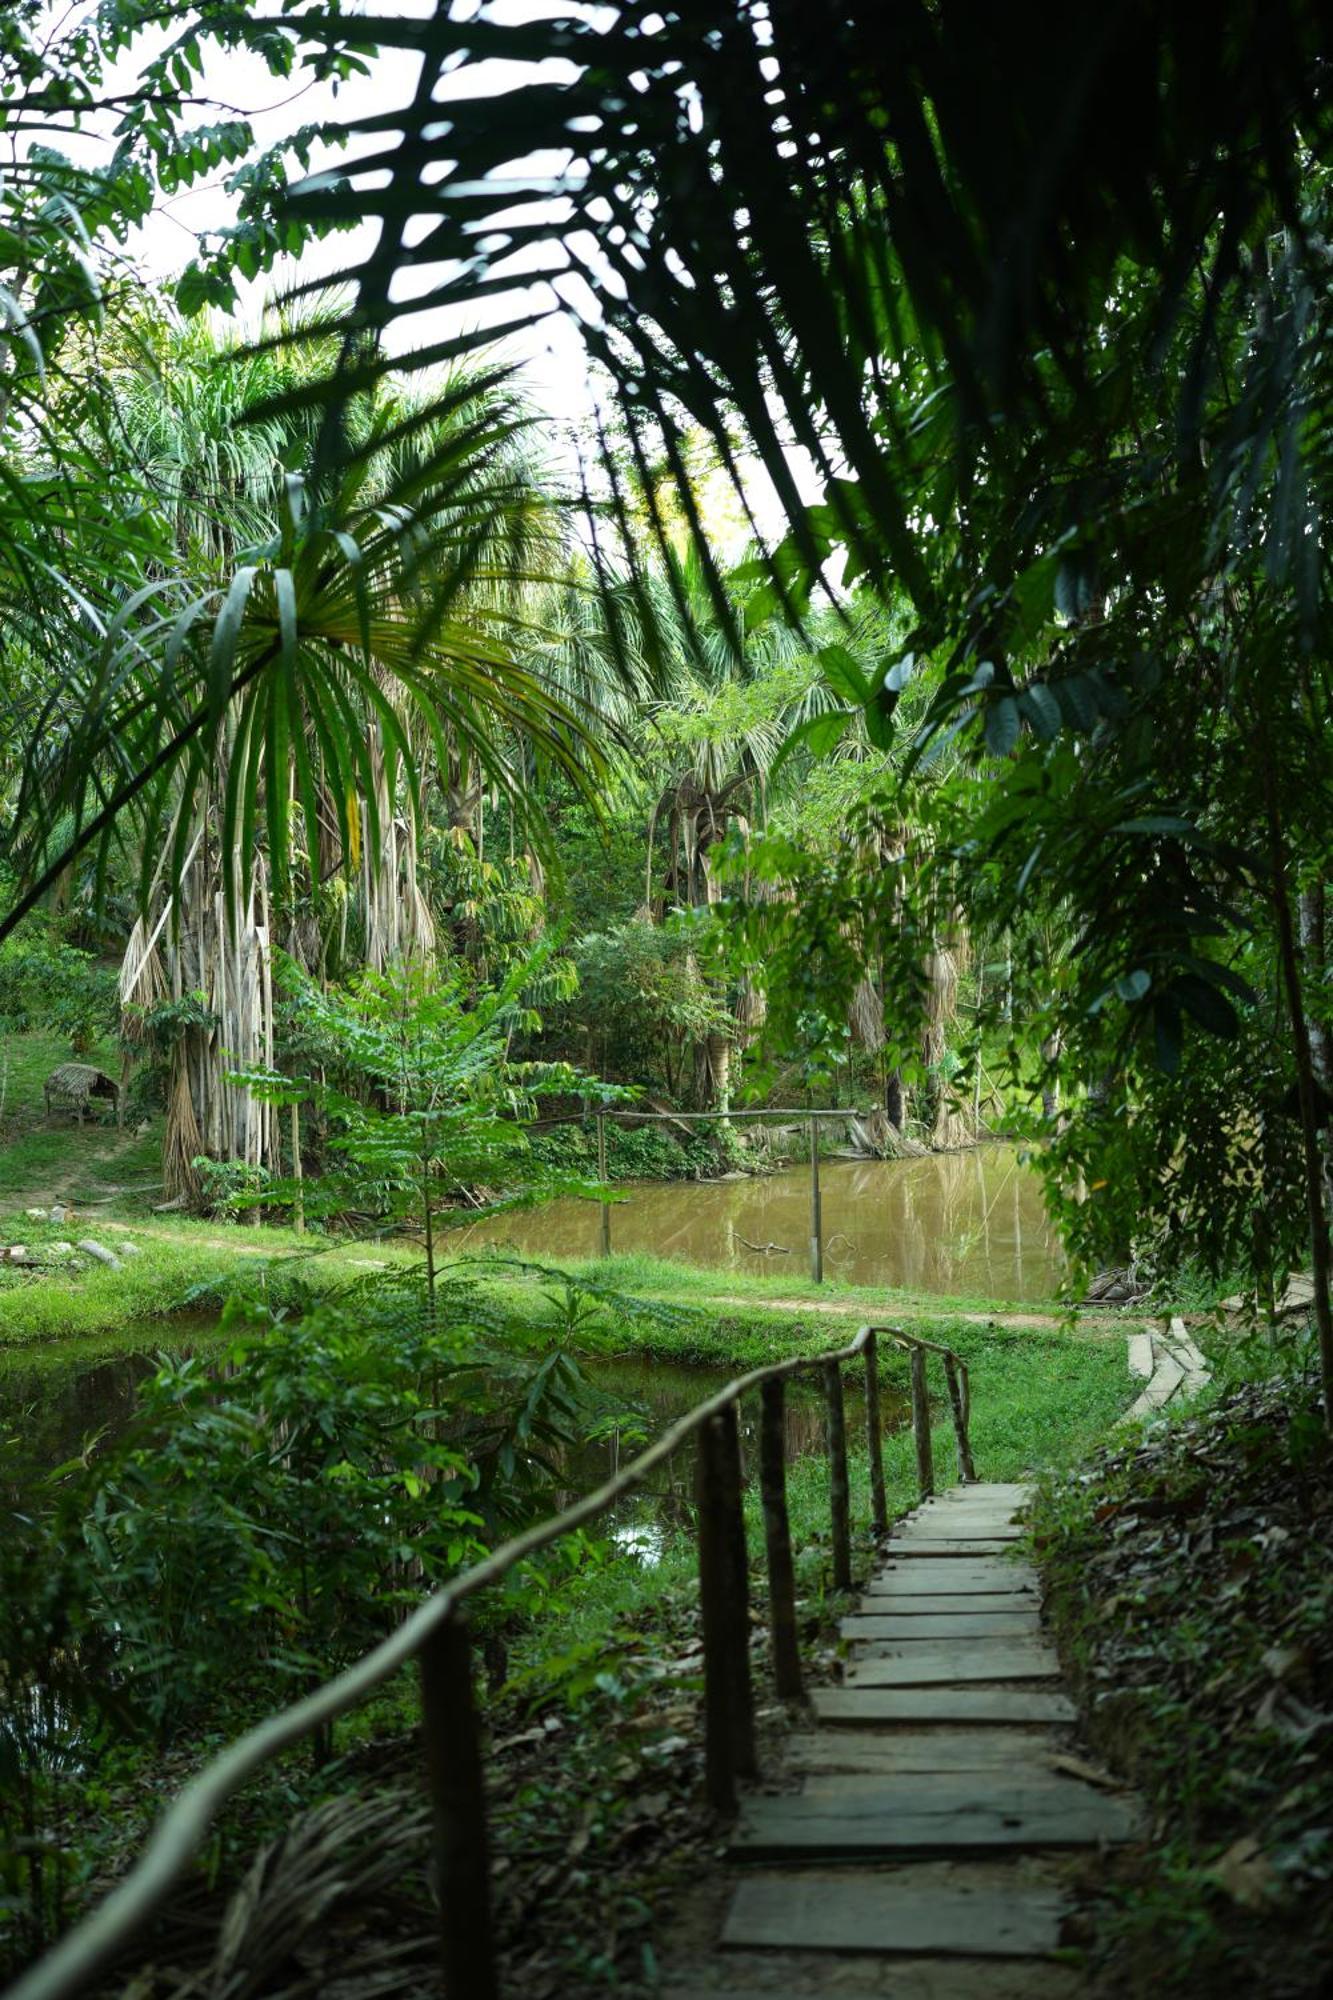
x=1307, y=1089
x=893, y=1099
x=1311, y=911
x=1050, y=1089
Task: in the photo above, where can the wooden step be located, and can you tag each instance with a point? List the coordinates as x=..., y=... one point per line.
x=925, y=1664
x=955, y=1604
x=946, y=1510
x=860, y=1816
x=974, y=1545
x=954, y=1575
x=897, y=1752
x=867, y=1706
x=898, y=1914
x=945, y=1625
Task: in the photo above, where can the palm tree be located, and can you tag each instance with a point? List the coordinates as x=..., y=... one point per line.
x=379, y=640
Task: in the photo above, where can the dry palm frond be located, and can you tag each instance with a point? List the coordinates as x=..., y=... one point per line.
x=142, y=982
x=941, y=1000
x=866, y=1015
x=290, y=1931
x=751, y=1006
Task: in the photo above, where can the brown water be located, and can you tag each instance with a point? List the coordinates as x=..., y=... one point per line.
x=969, y=1222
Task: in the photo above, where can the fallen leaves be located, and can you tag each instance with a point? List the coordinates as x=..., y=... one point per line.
x=1191, y=1587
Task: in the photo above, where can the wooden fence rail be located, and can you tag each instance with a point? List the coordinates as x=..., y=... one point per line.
x=436, y=1636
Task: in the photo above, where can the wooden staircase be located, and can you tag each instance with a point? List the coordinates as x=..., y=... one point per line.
x=914, y=1841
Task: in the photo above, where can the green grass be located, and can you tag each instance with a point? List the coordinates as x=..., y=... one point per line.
x=668, y=1277
x=181, y=1267
x=42, y=1160
x=1040, y=1401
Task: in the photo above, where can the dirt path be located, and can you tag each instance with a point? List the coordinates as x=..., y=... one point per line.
x=1033, y=1321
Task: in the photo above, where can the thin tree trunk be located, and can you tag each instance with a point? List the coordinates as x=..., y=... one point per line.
x=1306, y=1087
x=1050, y=1089
x=893, y=1099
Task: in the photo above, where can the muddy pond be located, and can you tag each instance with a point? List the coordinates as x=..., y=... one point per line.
x=950, y=1223
x=970, y=1222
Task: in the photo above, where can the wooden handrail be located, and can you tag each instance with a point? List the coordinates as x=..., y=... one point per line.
x=95, y=1943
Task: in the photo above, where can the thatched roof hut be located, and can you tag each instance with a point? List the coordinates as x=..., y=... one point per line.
x=77, y=1086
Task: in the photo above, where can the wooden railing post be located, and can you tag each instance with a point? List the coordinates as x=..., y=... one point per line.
x=777, y=1539
x=744, y=1756
x=458, y=1801
x=601, y=1175
x=925, y=1461
x=816, y=1209
x=879, y=1507
x=839, y=1491
x=966, y=1469
x=728, y=1712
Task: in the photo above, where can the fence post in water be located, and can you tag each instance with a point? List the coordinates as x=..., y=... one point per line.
x=601, y=1175
x=925, y=1462
x=879, y=1507
x=966, y=1469
x=777, y=1539
x=839, y=1495
x=458, y=1802
x=816, y=1209
x=715, y=1563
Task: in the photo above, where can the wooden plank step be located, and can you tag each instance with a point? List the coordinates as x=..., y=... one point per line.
x=861, y=1793
x=935, y=1542
x=926, y=1664
x=897, y=1914
x=789, y=1828
x=956, y=1625
x=926, y=1604
x=868, y=1706
x=959, y=1520
x=924, y=1751
x=988, y=1489
x=953, y=1575
x=948, y=1548
x=913, y=1979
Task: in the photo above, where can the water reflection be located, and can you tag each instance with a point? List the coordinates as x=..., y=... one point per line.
x=969, y=1222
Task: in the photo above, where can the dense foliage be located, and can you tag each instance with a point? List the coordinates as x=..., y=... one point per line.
x=265, y=1520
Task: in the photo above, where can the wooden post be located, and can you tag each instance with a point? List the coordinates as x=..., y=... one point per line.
x=298, y=1204
x=601, y=1175
x=816, y=1209
x=777, y=1540
x=879, y=1507
x=925, y=1462
x=839, y=1495
x=966, y=1469
x=714, y=1564
x=458, y=1801
x=744, y=1755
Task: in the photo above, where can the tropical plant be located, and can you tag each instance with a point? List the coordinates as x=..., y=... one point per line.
x=1061, y=381
x=420, y=1100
